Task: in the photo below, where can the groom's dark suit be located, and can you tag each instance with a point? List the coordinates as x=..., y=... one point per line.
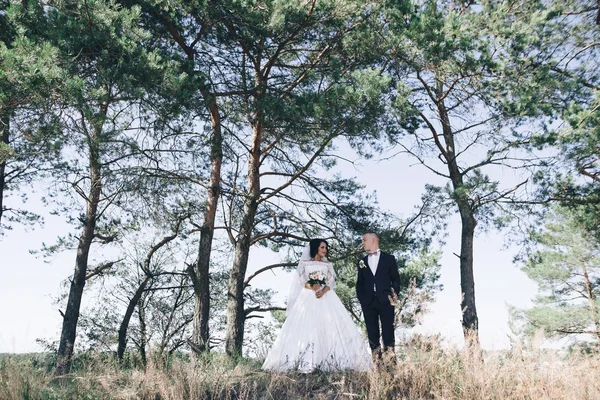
x=372, y=292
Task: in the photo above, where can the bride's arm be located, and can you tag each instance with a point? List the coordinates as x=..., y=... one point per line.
x=330, y=279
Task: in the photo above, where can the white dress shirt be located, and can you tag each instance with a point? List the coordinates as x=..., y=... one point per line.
x=373, y=260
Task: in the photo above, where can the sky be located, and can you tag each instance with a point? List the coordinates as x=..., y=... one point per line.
x=29, y=284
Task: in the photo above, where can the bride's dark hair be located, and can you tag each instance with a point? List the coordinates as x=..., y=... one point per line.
x=314, y=246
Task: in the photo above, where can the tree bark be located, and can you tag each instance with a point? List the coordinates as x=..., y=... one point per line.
x=140, y=290
x=235, y=301
x=591, y=299
x=235, y=296
x=122, y=343
x=143, y=338
x=71, y=315
x=470, y=321
x=200, y=272
x=4, y=138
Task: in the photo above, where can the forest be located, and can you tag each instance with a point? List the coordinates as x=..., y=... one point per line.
x=175, y=137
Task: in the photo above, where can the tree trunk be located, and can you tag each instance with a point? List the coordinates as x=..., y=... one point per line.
x=235, y=301
x=470, y=322
x=140, y=290
x=591, y=298
x=4, y=138
x=127, y=317
x=71, y=315
x=143, y=338
x=201, y=272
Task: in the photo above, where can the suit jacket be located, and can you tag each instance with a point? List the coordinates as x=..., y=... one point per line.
x=386, y=277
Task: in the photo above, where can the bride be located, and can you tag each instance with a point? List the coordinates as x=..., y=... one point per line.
x=318, y=332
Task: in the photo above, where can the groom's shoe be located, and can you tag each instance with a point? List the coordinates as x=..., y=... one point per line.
x=377, y=357
x=376, y=354
x=389, y=358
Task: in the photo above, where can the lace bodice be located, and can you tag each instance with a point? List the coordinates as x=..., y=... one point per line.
x=305, y=268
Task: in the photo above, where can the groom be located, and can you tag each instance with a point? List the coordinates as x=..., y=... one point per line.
x=377, y=276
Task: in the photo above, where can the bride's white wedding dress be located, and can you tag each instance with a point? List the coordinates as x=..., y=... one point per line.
x=318, y=333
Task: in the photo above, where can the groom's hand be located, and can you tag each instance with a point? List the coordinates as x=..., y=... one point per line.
x=393, y=298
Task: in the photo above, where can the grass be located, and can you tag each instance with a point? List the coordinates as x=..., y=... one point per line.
x=420, y=374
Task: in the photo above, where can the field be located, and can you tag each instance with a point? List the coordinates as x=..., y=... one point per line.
x=421, y=373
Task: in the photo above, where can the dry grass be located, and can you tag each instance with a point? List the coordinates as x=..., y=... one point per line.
x=419, y=374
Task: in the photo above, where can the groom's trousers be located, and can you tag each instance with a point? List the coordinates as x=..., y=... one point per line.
x=374, y=313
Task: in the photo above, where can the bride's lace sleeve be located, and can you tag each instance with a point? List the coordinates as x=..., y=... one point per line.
x=302, y=274
x=330, y=280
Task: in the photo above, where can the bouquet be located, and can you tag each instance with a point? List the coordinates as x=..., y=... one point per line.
x=316, y=277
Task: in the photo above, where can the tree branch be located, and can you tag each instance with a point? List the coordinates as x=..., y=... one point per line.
x=259, y=309
x=101, y=268
x=267, y=268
